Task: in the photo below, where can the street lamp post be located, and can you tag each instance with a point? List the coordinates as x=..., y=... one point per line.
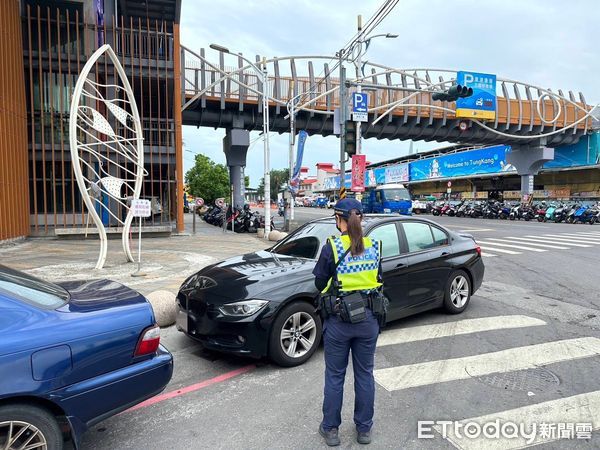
x=263, y=74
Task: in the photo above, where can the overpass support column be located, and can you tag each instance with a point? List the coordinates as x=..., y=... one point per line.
x=235, y=146
x=528, y=160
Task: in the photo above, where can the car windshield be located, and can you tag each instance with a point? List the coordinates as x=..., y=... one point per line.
x=307, y=241
x=31, y=290
x=395, y=195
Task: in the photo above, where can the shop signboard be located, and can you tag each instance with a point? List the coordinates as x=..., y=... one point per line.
x=397, y=173
x=482, y=161
x=583, y=153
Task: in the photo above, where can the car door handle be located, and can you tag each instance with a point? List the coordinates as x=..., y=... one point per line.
x=445, y=253
x=400, y=265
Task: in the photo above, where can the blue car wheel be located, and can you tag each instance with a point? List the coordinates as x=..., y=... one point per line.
x=27, y=426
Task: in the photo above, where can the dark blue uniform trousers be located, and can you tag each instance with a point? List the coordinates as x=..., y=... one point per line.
x=338, y=339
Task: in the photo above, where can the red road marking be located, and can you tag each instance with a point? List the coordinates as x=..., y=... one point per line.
x=194, y=387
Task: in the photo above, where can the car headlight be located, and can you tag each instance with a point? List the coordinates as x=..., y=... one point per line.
x=242, y=309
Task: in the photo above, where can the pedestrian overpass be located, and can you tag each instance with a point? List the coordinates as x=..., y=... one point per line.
x=224, y=91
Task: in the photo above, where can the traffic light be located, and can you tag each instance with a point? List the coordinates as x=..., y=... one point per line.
x=350, y=137
x=455, y=92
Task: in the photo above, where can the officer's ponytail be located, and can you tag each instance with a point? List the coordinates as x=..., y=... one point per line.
x=355, y=232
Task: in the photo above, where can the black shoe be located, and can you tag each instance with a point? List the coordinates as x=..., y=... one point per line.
x=331, y=436
x=364, y=437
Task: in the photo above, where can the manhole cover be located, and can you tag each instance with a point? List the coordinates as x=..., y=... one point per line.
x=535, y=380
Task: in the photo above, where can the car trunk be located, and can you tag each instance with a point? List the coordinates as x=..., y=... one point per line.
x=123, y=314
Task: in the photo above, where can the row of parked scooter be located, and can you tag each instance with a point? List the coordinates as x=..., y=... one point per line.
x=542, y=212
x=241, y=220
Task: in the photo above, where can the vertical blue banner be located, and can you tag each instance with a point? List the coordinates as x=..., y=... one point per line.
x=295, y=181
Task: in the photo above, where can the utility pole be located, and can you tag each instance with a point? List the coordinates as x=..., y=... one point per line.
x=359, y=76
x=343, y=115
x=291, y=155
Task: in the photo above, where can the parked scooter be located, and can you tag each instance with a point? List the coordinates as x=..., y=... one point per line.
x=463, y=209
x=504, y=211
x=436, y=210
x=476, y=210
x=541, y=211
x=560, y=213
x=550, y=212
x=580, y=214
x=515, y=212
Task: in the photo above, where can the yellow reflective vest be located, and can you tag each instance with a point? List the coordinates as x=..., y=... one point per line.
x=355, y=273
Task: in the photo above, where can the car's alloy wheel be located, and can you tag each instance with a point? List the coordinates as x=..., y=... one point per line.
x=298, y=335
x=458, y=292
x=16, y=434
x=295, y=334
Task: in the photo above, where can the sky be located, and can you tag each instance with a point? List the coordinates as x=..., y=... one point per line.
x=549, y=43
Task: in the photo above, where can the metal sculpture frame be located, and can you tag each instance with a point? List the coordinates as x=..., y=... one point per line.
x=97, y=147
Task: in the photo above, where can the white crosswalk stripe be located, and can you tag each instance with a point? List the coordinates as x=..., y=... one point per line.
x=562, y=240
x=577, y=409
x=519, y=358
x=487, y=255
x=549, y=241
x=518, y=247
x=594, y=236
x=517, y=241
x=571, y=239
x=498, y=250
x=593, y=240
x=465, y=326
x=574, y=235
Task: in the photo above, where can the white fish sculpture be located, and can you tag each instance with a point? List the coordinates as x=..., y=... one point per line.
x=108, y=160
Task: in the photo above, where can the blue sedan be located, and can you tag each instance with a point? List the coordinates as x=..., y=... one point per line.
x=71, y=355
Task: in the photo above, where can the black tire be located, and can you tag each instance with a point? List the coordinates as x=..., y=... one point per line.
x=284, y=318
x=40, y=418
x=450, y=304
x=593, y=220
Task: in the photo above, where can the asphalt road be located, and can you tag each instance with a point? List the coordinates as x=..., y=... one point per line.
x=527, y=350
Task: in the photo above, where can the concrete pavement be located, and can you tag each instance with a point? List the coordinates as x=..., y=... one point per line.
x=525, y=350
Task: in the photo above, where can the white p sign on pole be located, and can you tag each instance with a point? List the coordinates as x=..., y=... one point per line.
x=140, y=208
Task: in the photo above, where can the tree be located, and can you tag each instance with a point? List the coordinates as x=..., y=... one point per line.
x=278, y=178
x=208, y=179
x=247, y=181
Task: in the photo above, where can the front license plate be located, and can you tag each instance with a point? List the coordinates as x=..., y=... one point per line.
x=181, y=321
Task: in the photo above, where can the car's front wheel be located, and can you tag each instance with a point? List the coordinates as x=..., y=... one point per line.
x=26, y=426
x=295, y=335
x=458, y=292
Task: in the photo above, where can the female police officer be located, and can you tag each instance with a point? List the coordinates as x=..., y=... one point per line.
x=348, y=273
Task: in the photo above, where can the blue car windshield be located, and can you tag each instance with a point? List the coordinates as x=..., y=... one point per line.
x=31, y=290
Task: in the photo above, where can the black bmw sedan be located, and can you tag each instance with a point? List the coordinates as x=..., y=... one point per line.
x=261, y=304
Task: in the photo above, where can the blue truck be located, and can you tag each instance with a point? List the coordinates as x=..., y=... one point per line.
x=388, y=199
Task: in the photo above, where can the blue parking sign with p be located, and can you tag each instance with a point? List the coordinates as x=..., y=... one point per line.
x=360, y=100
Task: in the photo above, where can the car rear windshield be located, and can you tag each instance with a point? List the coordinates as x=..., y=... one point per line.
x=31, y=290
x=307, y=241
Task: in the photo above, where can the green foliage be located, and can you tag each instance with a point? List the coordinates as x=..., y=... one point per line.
x=247, y=180
x=208, y=179
x=279, y=177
